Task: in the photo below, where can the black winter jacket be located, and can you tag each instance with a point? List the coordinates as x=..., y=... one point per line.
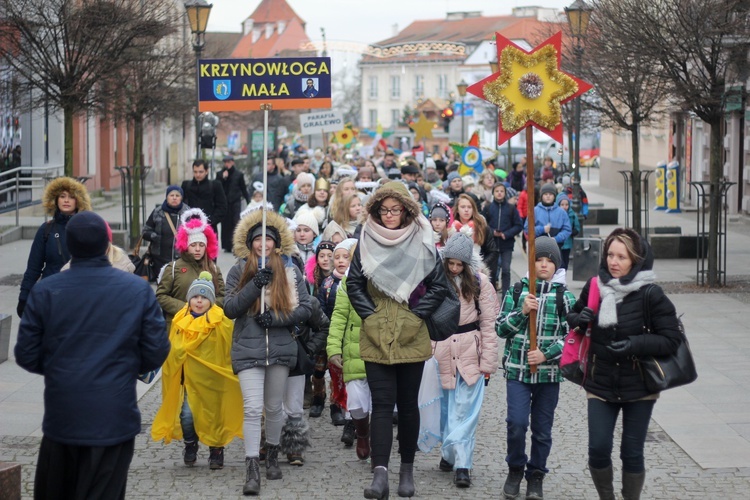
x=619, y=379
x=503, y=217
x=207, y=195
x=49, y=252
x=234, y=185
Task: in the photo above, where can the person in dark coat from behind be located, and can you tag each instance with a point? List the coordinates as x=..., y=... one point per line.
x=90, y=351
x=233, y=182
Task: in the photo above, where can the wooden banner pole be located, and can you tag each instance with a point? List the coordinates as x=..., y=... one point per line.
x=532, y=233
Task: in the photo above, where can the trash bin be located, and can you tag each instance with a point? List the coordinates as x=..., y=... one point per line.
x=587, y=253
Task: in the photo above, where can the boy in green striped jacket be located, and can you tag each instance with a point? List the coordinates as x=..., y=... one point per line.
x=533, y=395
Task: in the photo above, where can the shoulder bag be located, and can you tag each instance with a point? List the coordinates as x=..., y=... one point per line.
x=673, y=370
x=305, y=360
x=576, y=349
x=444, y=321
x=143, y=265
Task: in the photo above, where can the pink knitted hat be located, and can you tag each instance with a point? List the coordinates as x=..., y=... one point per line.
x=195, y=227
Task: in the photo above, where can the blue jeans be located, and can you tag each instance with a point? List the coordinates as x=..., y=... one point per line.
x=537, y=401
x=503, y=269
x=186, y=422
x=602, y=419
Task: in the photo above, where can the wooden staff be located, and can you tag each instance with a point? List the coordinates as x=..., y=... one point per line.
x=532, y=234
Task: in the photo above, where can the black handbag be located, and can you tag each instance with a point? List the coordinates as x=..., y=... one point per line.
x=673, y=370
x=143, y=265
x=444, y=321
x=305, y=360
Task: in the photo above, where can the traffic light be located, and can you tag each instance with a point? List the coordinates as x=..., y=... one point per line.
x=447, y=116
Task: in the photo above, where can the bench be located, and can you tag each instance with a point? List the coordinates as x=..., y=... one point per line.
x=677, y=246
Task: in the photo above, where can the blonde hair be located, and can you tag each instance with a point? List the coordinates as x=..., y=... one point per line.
x=336, y=199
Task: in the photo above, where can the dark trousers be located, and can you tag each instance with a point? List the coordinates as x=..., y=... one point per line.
x=602, y=419
x=537, y=401
x=228, y=224
x=504, y=258
x=391, y=385
x=565, y=254
x=69, y=472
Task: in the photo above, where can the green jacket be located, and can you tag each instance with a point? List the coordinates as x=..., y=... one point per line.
x=513, y=326
x=175, y=282
x=343, y=335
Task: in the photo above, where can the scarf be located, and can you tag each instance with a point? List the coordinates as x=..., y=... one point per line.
x=612, y=293
x=171, y=210
x=397, y=260
x=300, y=196
x=338, y=275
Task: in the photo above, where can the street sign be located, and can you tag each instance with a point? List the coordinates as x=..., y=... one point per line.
x=256, y=140
x=324, y=121
x=246, y=84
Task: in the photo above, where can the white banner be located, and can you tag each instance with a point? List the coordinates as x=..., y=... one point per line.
x=324, y=121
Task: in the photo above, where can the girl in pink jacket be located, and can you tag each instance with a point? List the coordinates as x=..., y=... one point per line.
x=466, y=357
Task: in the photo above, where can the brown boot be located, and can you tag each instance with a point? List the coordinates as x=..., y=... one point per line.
x=319, y=397
x=363, y=437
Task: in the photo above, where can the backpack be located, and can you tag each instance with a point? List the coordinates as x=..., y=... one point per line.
x=559, y=298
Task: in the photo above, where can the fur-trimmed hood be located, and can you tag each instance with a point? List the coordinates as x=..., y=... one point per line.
x=398, y=191
x=255, y=218
x=56, y=187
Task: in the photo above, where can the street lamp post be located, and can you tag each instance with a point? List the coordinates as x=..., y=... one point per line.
x=462, y=92
x=578, y=15
x=197, y=13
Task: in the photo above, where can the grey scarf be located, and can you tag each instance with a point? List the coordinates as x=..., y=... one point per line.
x=613, y=292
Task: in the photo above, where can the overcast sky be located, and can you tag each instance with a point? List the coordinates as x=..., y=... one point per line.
x=357, y=21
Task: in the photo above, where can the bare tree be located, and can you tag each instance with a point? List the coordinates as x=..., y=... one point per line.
x=630, y=91
x=694, y=43
x=347, y=95
x=61, y=49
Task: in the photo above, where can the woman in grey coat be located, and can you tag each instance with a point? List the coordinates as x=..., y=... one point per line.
x=263, y=348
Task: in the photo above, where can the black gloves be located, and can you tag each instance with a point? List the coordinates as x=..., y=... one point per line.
x=20, y=307
x=582, y=319
x=620, y=347
x=263, y=277
x=264, y=319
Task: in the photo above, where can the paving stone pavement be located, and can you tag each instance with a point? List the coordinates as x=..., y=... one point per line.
x=332, y=471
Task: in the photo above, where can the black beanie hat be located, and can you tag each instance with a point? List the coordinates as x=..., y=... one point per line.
x=547, y=247
x=86, y=235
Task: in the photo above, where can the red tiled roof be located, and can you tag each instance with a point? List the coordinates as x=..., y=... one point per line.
x=289, y=40
x=271, y=11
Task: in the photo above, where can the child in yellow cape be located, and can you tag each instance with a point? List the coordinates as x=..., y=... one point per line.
x=201, y=397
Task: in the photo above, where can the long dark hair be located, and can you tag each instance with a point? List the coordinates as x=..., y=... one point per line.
x=469, y=284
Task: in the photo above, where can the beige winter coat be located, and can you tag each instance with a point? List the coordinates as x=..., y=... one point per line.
x=473, y=353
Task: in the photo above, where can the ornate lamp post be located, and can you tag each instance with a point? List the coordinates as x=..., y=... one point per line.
x=462, y=92
x=578, y=15
x=197, y=13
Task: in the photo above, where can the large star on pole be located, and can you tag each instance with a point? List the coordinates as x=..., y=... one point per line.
x=529, y=88
x=422, y=128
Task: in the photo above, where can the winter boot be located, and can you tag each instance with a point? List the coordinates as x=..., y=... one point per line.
x=603, y=482
x=252, y=476
x=513, y=482
x=272, y=462
x=406, y=480
x=295, y=438
x=319, y=397
x=337, y=415
x=445, y=466
x=347, y=437
x=534, y=489
x=379, y=487
x=190, y=454
x=462, y=479
x=632, y=485
x=216, y=458
x=362, y=426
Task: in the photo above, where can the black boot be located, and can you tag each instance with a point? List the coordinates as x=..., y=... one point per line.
x=319, y=397
x=347, y=437
x=379, y=487
x=252, y=476
x=406, y=480
x=462, y=479
x=603, y=482
x=534, y=489
x=216, y=458
x=445, y=466
x=337, y=415
x=272, y=462
x=513, y=482
x=190, y=454
x=632, y=485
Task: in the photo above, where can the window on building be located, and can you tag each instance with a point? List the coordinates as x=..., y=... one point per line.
x=373, y=122
x=419, y=86
x=395, y=117
x=395, y=87
x=373, y=87
x=442, y=86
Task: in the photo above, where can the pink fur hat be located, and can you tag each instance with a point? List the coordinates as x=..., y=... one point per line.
x=195, y=227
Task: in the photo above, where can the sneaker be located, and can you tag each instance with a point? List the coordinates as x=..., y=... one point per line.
x=295, y=459
x=462, y=479
x=445, y=465
x=347, y=437
x=216, y=458
x=190, y=453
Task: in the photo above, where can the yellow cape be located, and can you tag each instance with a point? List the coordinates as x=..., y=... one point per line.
x=201, y=353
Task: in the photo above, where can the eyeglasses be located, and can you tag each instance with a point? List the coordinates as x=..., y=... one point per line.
x=395, y=211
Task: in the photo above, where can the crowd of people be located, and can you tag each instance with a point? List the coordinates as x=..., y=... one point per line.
x=334, y=279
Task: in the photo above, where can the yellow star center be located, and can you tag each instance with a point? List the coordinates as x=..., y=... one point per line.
x=518, y=106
